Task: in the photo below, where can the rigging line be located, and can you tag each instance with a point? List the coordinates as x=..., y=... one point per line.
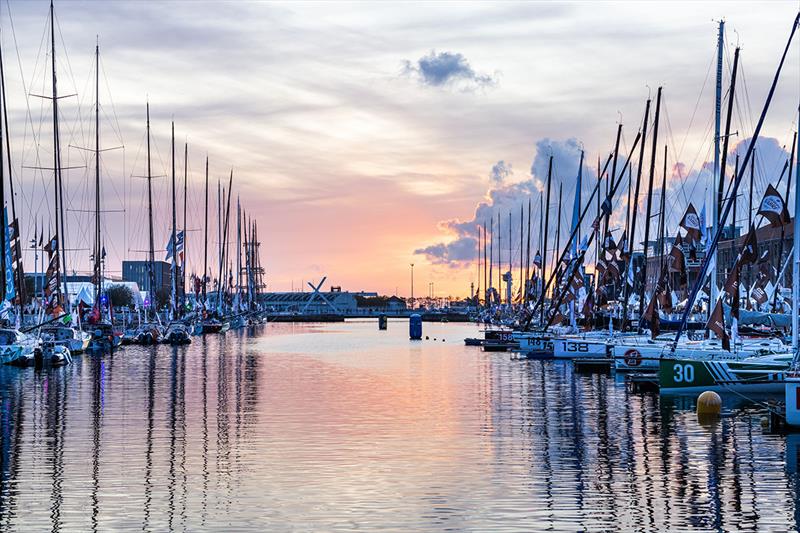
x=679, y=155
x=27, y=99
x=118, y=129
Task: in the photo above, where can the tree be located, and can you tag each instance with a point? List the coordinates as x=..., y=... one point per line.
x=120, y=295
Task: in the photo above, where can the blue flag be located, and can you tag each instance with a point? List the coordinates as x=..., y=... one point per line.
x=10, y=292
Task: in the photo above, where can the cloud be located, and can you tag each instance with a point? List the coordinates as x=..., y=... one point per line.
x=458, y=251
x=503, y=198
x=447, y=69
x=500, y=171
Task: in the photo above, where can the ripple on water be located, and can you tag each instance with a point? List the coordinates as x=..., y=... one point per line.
x=341, y=426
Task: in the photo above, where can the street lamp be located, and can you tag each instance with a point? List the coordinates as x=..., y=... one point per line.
x=412, y=286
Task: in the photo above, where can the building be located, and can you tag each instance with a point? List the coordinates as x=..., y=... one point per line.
x=381, y=304
x=730, y=244
x=137, y=271
x=322, y=303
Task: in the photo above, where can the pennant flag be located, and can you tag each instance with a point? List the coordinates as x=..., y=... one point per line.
x=622, y=247
x=773, y=208
x=716, y=323
x=588, y=304
x=52, y=289
x=576, y=206
x=749, y=253
x=174, y=249
x=609, y=243
x=651, y=316
x=731, y=286
x=691, y=223
x=537, y=260
x=703, y=228
x=9, y=292
x=676, y=261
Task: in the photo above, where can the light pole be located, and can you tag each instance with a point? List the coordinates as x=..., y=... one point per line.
x=412, y=286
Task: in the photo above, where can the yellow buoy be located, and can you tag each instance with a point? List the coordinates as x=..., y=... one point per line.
x=709, y=404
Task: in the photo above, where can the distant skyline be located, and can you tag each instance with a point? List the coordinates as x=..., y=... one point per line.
x=367, y=136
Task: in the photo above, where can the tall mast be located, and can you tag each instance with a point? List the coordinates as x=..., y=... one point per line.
x=174, y=233
x=649, y=202
x=612, y=177
x=499, y=262
x=662, y=214
x=558, y=229
x=717, y=198
x=485, y=270
x=205, y=242
x=225, y=235
x=219, y=237
x=238, y=246
x=185, y=235
x=151, y=254
x=97, y=253
x=546, y=229
x=796, y=269
x=59, y=196
x=3, y=280
x=521, y=250
x=734, y=190
x=632, y=235
x=491, y=251
x=527, y=257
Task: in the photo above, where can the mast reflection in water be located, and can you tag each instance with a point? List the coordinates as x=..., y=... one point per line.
x=340, y=426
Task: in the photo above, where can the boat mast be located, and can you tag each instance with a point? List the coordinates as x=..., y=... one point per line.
x=185, y=235
x=97, y=254
x=3, y=280
x=59, y=195
x=174, y=234
x=717, y=198
x=521, y=250
x=485, y=284
x=734, y=189
x=527, y=256
x=151, y=254
x=499, y=262
x=205, y=245
x=662, y=215
x=546, y=229
x=557, y=247
x=649, y=209
x=796, y=269
x=238, y=248
x=17, y=250
x=491, y=255
x=632, y=235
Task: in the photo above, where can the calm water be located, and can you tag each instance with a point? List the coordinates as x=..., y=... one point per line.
x=342, y=427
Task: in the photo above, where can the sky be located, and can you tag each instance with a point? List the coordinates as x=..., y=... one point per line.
x=364, y=137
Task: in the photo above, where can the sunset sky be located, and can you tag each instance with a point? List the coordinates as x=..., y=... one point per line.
x=366, y=136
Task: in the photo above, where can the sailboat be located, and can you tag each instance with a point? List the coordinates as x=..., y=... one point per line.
x=176, y=332
x=103, y=338
x=764, y=374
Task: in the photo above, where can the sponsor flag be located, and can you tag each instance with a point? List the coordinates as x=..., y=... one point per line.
x=773, y=208
x=175, y=249
x=651, y=315
x=716, y=323
x=676, y=262
x=691, y=223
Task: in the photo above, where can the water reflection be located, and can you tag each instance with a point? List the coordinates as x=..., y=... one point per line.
x=340, y=426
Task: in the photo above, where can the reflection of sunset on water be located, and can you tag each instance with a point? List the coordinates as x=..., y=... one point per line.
x=339, y=426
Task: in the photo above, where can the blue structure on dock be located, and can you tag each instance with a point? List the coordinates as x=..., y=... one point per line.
x=415, y=327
